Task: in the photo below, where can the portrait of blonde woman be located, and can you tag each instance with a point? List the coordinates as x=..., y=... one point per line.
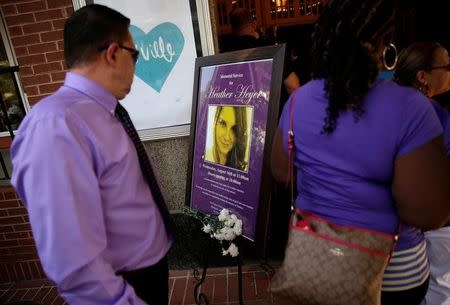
x=228, y=136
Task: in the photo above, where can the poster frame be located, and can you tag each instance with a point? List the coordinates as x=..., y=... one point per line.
x=276, y=53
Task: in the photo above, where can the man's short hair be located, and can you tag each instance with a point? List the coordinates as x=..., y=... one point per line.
x=90, y=29
x=239, y=18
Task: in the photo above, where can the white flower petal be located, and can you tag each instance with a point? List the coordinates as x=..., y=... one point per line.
x=229, y=223
x=224, y=212
x=207, y=228
x=219, y=236
x=233, y=250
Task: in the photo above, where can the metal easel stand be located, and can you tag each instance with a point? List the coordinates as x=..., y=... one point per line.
x=200, y=297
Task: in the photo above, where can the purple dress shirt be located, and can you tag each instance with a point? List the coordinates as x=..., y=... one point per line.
x=91, y=211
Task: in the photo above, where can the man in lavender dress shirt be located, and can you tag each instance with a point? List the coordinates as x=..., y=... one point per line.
x=76, y=170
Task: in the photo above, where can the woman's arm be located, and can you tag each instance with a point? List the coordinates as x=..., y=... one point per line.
x=291, y=82
x=279, y=159
x=421, y=185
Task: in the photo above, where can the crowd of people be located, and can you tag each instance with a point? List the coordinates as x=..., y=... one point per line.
x=369, y=152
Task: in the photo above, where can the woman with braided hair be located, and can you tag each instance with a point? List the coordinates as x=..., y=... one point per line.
x=367, y=152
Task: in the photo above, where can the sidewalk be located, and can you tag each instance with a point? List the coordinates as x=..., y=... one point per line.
x=220, y=286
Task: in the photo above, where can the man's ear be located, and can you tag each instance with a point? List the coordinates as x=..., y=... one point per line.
x=111, y=53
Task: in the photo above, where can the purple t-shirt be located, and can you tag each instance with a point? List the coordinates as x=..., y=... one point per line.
x=346, y=176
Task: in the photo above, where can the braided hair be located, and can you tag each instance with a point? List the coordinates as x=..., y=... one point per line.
x=346, y=37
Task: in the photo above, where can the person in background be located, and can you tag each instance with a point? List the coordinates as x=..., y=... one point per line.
x=99, y=231
x=245, y=33
x=443, y=100
x=426, y=67
x=368, y=152
x=296, y=70
x=291, y=78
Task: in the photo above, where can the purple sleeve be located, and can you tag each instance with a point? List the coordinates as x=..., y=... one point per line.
x=418, y=125
x=54, y=176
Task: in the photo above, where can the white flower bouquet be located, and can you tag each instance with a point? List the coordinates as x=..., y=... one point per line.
x=225, y=227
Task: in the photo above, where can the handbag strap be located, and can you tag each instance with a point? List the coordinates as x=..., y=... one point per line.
x=291, y=152
x=297, y=218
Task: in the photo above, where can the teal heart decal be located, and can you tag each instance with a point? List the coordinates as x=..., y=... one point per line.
x=159, y=50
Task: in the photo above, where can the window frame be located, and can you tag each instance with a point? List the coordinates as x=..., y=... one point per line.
x=14, y=70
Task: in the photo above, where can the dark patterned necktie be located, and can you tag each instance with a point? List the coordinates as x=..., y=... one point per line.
x=146, y=167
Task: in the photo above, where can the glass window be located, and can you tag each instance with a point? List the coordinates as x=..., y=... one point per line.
x=3, y=56
x=12, y=109
x=11, y=101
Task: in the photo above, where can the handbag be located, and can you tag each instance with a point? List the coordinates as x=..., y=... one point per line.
x=330, y=264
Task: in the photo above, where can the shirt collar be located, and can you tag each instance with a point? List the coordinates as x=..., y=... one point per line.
x=91, y=89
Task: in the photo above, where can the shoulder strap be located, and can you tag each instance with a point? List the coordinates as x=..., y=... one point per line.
x=291, y=148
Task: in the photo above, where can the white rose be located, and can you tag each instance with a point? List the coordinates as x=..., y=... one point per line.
x=229, y=235
x=233, y=250
x=224, y=214
x=219, y=236
x=229, y=222
x=224, y=252
x=238, y=224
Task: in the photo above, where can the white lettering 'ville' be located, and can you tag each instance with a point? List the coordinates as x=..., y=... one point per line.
x=157, y=50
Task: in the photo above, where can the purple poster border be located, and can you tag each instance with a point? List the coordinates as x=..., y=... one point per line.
x=234, y=117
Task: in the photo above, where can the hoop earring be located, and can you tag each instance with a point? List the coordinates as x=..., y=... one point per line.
x=424, y=88
x=393, y=47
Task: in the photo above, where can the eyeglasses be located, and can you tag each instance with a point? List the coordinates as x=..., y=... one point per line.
x=134, y=53
x=446, y=67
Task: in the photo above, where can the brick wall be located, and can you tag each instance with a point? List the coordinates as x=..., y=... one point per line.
x=36, y=31
x=18, y=256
